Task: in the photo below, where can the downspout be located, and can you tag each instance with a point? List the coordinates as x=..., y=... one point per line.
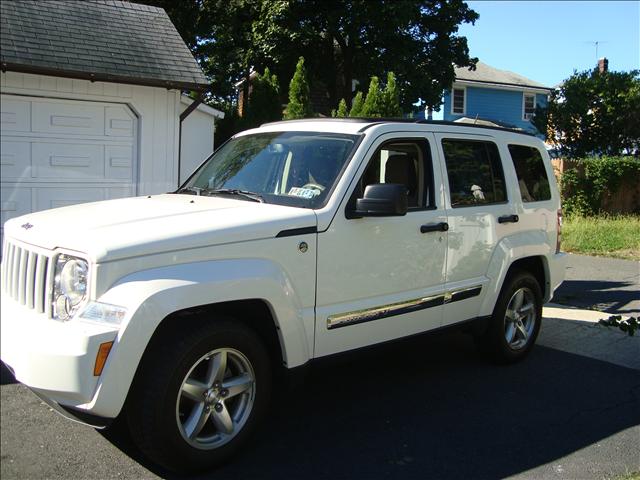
x=198, y=100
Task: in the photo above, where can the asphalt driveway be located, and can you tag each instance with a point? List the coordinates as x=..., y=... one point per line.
x=424, y=408
x=606, y=284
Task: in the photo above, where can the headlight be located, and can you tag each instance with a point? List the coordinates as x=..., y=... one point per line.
x=70, y=286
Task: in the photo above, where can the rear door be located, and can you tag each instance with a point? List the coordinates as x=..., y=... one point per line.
x=479, y=215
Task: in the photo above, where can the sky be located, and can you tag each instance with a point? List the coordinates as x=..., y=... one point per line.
x=547, y=40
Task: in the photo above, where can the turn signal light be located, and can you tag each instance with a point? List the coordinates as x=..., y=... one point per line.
x=101, y=358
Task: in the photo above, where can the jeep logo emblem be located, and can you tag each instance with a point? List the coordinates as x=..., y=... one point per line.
x=26, y=226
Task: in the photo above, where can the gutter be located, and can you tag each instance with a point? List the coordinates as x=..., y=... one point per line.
x=188, y=111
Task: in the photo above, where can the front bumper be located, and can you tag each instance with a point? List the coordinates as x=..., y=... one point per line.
x=54, y=359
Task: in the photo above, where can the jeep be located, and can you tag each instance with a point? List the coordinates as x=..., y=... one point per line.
x=294, y=241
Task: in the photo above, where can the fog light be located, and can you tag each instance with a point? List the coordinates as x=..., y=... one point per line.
x=63, y=307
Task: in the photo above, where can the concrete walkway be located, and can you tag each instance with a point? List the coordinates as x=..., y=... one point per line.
x=577, y=331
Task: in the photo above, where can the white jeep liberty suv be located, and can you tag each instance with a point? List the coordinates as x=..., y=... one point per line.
x=293, y=241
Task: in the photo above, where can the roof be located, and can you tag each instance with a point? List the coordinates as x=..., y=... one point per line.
x=101, y=40
x=487, y=74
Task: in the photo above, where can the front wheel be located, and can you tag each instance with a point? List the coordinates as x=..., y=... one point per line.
x=199, y=395
x=516, y=319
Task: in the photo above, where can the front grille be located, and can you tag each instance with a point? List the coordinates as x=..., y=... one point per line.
x=25, y=276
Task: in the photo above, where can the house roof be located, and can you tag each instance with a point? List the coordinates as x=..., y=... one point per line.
x=101, y=40
x=487, y=74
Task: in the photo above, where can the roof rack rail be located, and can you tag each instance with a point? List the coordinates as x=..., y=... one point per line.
x=378, y=121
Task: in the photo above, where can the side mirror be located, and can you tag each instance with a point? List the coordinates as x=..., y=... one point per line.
x=382, y=200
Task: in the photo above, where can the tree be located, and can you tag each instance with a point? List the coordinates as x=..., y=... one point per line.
x=354, y=39
x=594, y=113
x=391, y=98
x=342, y=40
x=357, y=105
x=264, y=100
x=374, y=101
x=299, y=102
x=342, y=109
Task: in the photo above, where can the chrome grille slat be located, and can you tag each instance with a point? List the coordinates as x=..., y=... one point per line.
x=13, y=280
x=45, y=294
x=22, y=277
x=30, y=284
x=26, y=276
x=41, y=271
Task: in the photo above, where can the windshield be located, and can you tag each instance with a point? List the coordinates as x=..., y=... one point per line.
x=287, y=168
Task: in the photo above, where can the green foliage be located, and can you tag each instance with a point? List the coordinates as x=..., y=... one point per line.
x=374, y=101
x=228, y=126
x=583, y=187
x=628, y=326
x=264, y=101
x=342, y=109
x=299, y=102
x=594, y=114
x=357, y=106
x=606, y=235
x=391, y=98
x=342, y=40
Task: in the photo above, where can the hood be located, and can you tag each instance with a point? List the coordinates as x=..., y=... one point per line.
x=130, y=227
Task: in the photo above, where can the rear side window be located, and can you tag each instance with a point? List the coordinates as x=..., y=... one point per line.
x=474, y=171
x=532, y=176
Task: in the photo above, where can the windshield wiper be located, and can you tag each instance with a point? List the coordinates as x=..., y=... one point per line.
x=196, y=190
x=234, y=191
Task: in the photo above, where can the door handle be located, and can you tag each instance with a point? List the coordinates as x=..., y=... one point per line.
x=434, y=227
x=508, y=219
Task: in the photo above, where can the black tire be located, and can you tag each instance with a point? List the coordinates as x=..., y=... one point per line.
x=494, y=341
x=158, y=404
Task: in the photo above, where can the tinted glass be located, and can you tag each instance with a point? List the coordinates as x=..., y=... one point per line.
x=402, y=162
x=532, y=176
x=474, y=171
x=289, y=168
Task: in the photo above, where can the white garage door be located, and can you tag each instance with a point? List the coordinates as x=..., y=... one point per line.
x=61, y=152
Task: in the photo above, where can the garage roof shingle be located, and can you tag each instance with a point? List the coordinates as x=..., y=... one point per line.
x=102, y=40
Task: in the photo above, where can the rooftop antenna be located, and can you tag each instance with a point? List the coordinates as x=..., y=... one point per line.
x=596, y=43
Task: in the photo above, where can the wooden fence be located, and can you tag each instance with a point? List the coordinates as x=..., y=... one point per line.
x=626, y=199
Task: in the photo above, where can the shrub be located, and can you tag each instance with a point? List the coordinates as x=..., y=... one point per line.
x=583, y=187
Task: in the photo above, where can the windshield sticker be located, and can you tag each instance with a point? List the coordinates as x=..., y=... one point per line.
x=304, y=192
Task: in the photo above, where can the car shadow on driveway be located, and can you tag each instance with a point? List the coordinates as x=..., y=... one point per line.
x=434, y=408
x=607, y=296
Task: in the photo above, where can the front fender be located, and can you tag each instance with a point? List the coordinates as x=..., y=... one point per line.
x=151, y=295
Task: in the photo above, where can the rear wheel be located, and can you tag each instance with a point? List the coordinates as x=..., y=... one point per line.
x=516, y=319
x=200, y=395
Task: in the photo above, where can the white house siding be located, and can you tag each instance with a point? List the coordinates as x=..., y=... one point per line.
x=28, y=184
x=197, y=140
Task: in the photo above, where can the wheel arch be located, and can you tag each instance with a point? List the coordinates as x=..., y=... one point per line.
x=254, y=292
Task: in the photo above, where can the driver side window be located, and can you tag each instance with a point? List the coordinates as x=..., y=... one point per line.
x=404, y=162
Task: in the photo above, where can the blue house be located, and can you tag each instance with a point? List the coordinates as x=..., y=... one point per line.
x=487, y=95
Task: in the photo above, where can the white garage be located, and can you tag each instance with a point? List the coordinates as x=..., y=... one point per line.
x=58, y=152
x=93, y=109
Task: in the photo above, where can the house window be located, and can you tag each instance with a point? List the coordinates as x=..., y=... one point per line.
x=529, y=106
x=457, y=106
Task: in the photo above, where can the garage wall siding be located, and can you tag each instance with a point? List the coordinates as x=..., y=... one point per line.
x=156, y=108
x=67, y=141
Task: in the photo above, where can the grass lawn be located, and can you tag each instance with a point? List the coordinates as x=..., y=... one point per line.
x=608, y=236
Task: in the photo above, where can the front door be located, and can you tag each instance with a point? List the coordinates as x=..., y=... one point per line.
x=381, y=278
